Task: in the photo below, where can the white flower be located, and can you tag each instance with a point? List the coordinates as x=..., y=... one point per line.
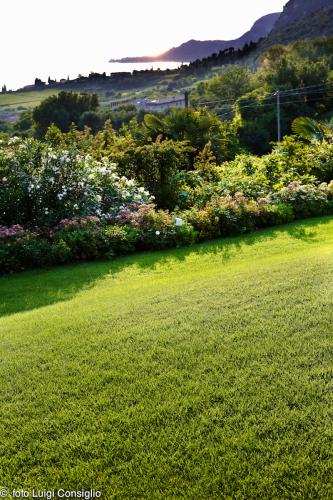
x=157, y=233
x=13, y=140
x=178, y=221
x=46, y=211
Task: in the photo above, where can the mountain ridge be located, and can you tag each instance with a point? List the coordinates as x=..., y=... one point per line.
x=313, y=19
x=295, y=10
x=198, y=49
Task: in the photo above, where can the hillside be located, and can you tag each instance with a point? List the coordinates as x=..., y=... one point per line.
x=295, y=10
x=301, y=21
x=196, y=49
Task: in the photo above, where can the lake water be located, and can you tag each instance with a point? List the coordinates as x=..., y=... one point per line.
x=14, y=78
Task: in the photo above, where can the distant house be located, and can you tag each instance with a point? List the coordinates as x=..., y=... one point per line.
x=29, y=87
x=179, y=101
x=120, y=74
x=122, y=102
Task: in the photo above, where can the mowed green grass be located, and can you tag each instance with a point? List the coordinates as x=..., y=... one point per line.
x=28, y=99
x=197, y=373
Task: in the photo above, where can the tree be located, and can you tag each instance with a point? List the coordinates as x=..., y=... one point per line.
x=92, y=120
x=39, y=82
x=24, y=124
x=154, y=165
x=199, y=127
x=310, y=129
x=232, y=83
x=63, y=110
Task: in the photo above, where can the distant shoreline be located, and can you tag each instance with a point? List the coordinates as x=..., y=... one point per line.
x=144, y=59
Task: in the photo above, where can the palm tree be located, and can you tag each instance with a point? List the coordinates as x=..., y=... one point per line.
x=155, y=126
x=311, y=130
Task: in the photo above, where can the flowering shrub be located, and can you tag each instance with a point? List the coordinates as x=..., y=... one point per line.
x=78, y=223
x=206, y=225
x=21, y=249
x=306, y=200
x=273, y=215
x=15, y=231
x=57, y=206
x=157, y=227
x=40, y=185
x=231, y=215
x=88, y=238
x=253, y=176
x=194, y=190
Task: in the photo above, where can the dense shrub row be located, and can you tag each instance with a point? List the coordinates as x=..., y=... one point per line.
x=61, y=205
x=143, y=227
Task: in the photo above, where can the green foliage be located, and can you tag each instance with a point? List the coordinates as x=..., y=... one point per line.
x=24, y=124
x=197, y=127
x=290, y=160
x=91, y=242
x=63, y=110
x=144, y=228
x=232, y=215
x=297, y=160
x=306, y=200
x=310, y=129
x=154, y=165
x=288, y=67
x=305, y=65
x=122, y=116
x=231, y=83
x=92, y=120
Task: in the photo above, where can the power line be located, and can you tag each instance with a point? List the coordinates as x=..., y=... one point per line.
x=231, y=111
x=304, y=90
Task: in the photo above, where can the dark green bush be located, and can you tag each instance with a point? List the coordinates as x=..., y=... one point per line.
x=274, y=215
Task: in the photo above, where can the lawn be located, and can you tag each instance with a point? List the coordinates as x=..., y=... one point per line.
x=197, y=373
x=28, y=99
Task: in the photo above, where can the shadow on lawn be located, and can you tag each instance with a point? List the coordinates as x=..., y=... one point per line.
x=34, y=289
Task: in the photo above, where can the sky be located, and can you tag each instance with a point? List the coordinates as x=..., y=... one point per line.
x=39, y=38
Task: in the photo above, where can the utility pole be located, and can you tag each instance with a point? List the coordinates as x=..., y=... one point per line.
x=278, y=109
x=186, y=93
